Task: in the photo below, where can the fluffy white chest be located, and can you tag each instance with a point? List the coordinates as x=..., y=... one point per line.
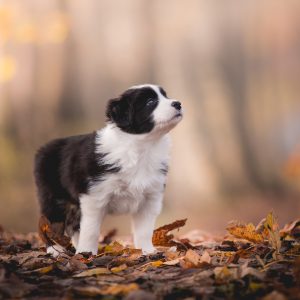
x=141, y=163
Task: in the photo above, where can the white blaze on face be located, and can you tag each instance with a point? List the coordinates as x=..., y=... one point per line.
x=164, y=113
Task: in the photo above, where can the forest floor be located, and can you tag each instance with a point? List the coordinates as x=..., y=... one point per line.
x=250, y=262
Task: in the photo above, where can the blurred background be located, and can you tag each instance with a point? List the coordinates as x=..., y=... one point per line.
x=235, y=65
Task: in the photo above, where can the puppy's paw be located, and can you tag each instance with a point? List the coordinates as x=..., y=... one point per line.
x=55, y=250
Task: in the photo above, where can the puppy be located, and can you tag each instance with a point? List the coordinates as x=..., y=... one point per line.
x=119, y=169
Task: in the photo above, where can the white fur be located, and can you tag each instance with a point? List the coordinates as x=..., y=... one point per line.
x=55, y=250
x=138, y=187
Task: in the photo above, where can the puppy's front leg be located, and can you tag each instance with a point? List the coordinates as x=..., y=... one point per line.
x=91, y=219
x=143, y=222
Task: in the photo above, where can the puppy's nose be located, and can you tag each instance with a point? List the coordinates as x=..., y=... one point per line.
x=176, y=104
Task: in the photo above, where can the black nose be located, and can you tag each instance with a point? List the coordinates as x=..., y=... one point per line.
x=176, y=104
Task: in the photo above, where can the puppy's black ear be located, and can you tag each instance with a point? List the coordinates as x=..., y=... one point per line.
x=118, y=111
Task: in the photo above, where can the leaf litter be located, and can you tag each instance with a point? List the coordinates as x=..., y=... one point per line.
x=250, y=262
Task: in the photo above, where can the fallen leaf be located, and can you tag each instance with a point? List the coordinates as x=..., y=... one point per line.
x=114, y=248
x=44, y=270
x=192, y=257
x=245, y=231
x=93, y=272
x=245, y=270
x=119, y=268
x=77, y=263
x=88, y=291
x=172, y=262
x=291, y=229
x=273, y=234
x=107, y=239
x=274, y=296
x=205, y=258
x=193, y=260
x=120, y=289
x=162, y=237
x=224, y=273
x=53, y=234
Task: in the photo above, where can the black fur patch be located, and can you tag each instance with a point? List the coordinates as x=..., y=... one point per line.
x=164, y=168
x=63, y=170
x=132, y=111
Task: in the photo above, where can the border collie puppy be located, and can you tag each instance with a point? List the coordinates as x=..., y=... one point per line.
x=119, y=169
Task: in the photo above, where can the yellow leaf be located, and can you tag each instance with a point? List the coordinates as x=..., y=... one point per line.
x=119, y=268
x=274, y=236
x=245, y=231
x=114, y=248
x=157, y=263
x=44, y=270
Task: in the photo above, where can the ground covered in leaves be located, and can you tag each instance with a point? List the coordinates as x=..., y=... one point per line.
x=251, y=262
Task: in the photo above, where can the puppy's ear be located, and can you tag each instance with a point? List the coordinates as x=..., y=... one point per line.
x=118, y=112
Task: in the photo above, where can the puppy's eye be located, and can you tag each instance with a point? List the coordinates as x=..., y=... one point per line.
x=151, y=101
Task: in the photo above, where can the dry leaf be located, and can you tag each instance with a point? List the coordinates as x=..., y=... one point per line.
x=193, y=260
x=162, y=237
x=172, y=262
x=192, y=257
x=275, y=296
x=120, y=289
x=44, y=270
x=114, y=248
x=291, y=229
x=245, y=270
x=52, y=234
x=245, y=231
x=88, y=291
x=109, y=236
x=119, y=268
x=225, y=274
x=93, y=272
x=273, y=233
x=156, y=263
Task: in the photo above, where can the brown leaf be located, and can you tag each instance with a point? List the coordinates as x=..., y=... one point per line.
x=275, y=296
x=193, y=260
x=291, y=229
x=109, y=236
x=245, y=270
x=52, y=234
x=77, y=263
x=120, y=289
x=193, y=257
x=172, y=262
x=162, y=237
x=224, y=274
x=93, y=272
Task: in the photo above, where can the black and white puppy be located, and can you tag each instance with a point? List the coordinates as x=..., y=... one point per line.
x=116, y=170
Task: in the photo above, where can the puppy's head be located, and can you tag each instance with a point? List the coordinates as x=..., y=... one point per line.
x=144, y=109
